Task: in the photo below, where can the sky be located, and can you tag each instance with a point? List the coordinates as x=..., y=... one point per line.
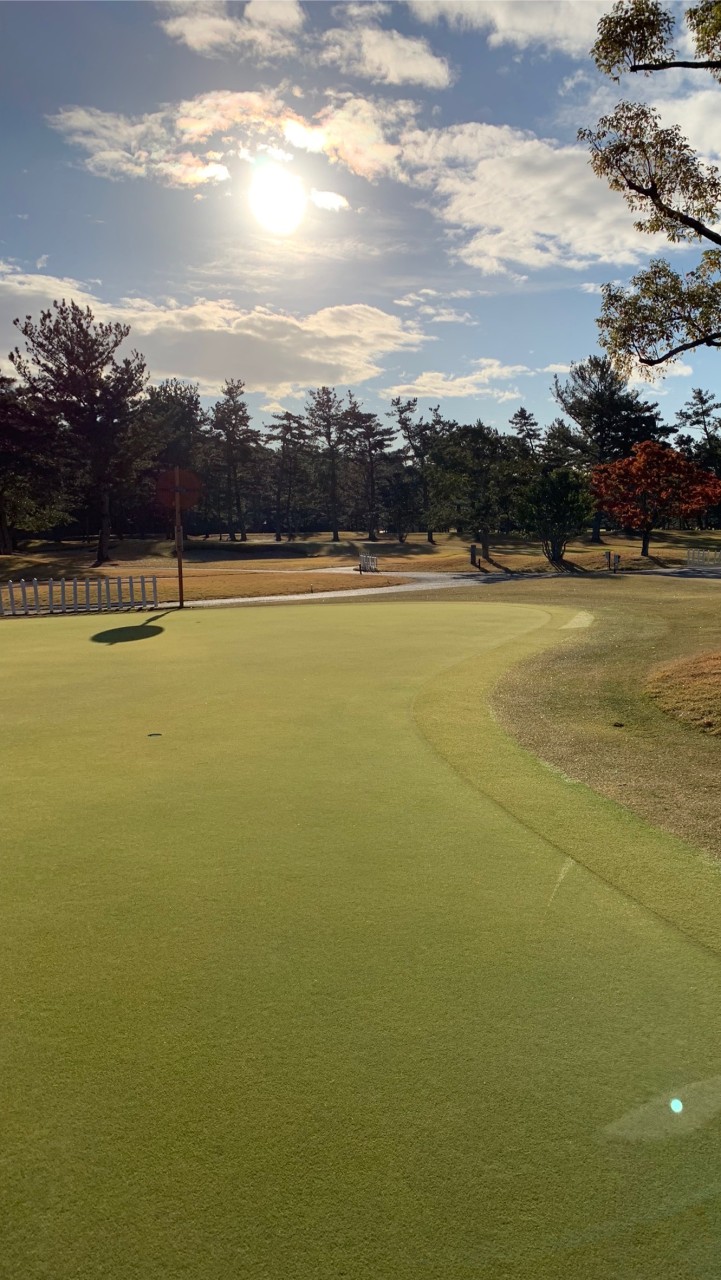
x=383, y=197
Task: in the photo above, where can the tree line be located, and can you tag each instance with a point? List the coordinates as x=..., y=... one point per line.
x=84, y=435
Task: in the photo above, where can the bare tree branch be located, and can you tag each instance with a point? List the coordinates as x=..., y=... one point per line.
x=664, y=66
x=711, y=340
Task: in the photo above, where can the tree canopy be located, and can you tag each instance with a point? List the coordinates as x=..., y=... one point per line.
x=664, y=312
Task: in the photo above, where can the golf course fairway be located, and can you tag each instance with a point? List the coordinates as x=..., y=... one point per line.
x=305, y=976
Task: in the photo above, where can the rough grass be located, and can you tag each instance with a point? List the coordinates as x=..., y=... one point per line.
x=450, y=553
x=311, y=983
x=690, y=690
x=585, y=709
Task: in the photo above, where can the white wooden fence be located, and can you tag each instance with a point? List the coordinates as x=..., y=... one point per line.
x=701, y=555
x=77, y=595
x=368, y=564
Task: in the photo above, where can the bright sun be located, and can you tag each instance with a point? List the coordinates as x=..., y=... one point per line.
x=277, y=199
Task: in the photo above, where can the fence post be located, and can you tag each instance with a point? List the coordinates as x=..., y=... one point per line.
x=142, y=590
x=100, y=595
x=24, y=596
x=62, y=595
x=120, y=592
x=36, y=595
x=75, y=595
x=87, y=595
x=155, y=592
x=11, y=597
x=131, y=590
x=108, y=596
x=50, y=595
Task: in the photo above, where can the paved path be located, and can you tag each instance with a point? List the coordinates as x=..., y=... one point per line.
x=418, y=581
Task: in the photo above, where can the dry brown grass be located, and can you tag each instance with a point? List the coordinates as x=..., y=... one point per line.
x=690, y=690
x=226, y=586
x=449, y=554
x=210, y=586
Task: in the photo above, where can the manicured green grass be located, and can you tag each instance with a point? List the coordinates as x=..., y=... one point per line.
x=300, y=989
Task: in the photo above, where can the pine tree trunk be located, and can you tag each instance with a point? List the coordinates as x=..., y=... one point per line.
x=334, y=500
x=229, y=508
x=239, y=511
x=278, y=500
x=103, y=551
x=596, y=526
x=6, y=537
x=372, y=513
x=645, y=542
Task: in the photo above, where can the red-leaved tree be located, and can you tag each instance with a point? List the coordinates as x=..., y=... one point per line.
x=654, y=485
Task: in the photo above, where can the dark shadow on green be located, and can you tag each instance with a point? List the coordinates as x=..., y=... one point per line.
x=122, y=635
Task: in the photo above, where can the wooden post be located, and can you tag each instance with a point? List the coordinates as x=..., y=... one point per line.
x=131, y=590
x=179, y=538
x=75, y=595
x=143, y=596
x=11, y=597
x=50, y=595
x=36, y=596
x=24, y=595
x=155, y=592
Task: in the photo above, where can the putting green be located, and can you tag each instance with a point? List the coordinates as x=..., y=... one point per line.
x=299, y=988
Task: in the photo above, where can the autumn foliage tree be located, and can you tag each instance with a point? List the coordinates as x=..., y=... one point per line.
x=654, y=485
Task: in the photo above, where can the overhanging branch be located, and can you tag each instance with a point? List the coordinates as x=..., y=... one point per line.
x=664, y=66
x=711, y=340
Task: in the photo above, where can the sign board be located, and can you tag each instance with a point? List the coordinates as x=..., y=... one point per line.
x=189, y=489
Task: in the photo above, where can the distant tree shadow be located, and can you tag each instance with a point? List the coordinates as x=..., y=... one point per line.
x=122, y=635
x=568, y=566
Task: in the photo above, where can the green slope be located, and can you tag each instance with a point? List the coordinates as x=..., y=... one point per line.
x=285, y=994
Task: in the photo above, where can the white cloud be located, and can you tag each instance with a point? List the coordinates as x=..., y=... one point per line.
x=385, y=57
x=329, y=200
x=446, y=315
x=433, y=384
x=522, y=201
x=361, y=133
x=160, y=144
x=646, y=383
x=569, y=83
x=568, y=26
x=555, y=368
x=42, y=261
x=360, y=10
x=278, y=353
x=590, y=286
x=265, y=30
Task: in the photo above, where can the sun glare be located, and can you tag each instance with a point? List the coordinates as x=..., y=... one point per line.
x=277, y=199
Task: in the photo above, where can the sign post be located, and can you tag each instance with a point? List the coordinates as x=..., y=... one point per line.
x=179, y=490
x=179, y=538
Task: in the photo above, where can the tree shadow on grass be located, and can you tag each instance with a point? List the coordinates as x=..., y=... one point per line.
x=122, y=635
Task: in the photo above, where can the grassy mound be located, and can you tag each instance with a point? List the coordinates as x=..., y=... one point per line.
x=690, y=690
